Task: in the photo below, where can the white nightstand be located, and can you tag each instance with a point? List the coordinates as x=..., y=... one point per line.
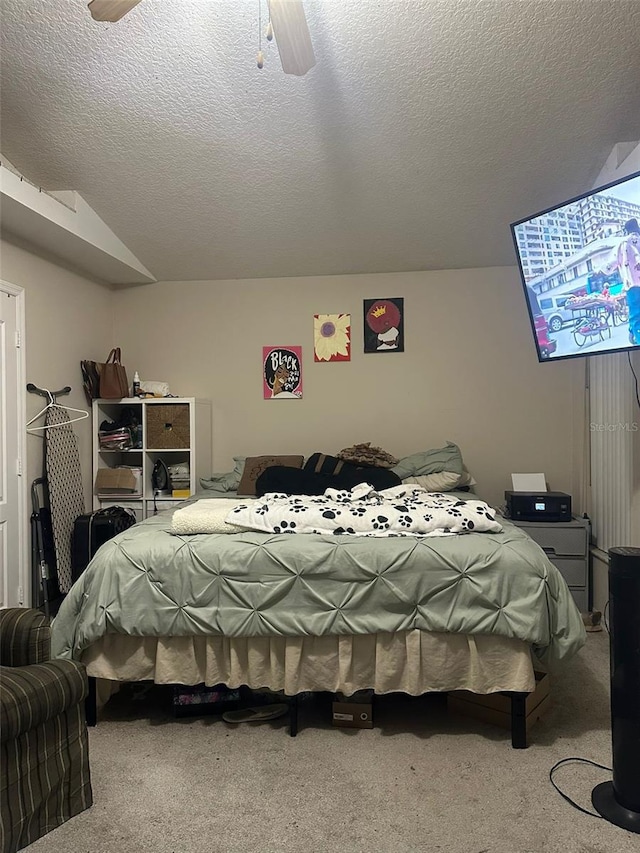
x=566, y=544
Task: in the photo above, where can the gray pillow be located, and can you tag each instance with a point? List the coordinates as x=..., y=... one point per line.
x=228, y=482
x=447, y=458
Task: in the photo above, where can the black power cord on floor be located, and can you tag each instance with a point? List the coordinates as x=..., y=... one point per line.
x=581, y=760
x=565, y=796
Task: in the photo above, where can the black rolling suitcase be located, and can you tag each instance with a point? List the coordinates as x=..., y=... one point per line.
x=92, y=530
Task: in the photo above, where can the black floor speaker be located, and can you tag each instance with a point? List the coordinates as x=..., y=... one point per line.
x=619, y=801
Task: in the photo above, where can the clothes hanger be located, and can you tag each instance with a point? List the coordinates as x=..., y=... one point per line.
x=42, y=411
x=83, y=416
x=53, y=402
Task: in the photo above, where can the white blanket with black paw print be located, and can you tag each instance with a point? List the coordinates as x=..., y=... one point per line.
x=398, y=511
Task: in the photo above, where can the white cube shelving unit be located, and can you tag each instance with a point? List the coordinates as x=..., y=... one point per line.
x=192, y=446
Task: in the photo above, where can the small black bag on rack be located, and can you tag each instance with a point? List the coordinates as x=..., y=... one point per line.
x=92, y=530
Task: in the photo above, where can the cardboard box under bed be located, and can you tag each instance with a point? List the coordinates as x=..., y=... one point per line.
x=495, y=708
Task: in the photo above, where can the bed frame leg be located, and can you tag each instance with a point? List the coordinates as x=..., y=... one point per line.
x=91, y=703
x=293, y=715
x=519, y=720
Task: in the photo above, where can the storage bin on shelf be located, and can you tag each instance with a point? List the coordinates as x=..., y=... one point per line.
x=168, y=426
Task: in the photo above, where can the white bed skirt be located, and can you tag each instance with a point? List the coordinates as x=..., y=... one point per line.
x=413, y=662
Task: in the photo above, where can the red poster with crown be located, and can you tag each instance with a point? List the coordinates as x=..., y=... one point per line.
x=384, y=325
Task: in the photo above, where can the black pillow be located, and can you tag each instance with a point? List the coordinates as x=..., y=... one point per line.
x=296, y=481
x=292, y=481
x=320, y=463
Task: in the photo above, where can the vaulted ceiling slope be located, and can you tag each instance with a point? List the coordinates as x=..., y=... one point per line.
x=426, y=127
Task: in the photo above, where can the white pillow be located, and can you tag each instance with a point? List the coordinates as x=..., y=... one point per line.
x=467, y=479
x=441, y=481
x=205, y=516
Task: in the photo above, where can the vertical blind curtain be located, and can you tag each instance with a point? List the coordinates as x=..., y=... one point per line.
x=611, y=433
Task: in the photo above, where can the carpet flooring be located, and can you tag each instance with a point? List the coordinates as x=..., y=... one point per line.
x=421, y=780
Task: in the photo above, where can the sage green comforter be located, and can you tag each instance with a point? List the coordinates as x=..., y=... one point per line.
x=148, y=582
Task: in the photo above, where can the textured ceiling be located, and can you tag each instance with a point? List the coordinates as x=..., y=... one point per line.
x=426, y=127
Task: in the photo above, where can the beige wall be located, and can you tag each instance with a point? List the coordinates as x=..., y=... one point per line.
x=68, y=318
x=469, y=373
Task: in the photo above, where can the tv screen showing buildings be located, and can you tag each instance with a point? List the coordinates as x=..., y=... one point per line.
x=580, y=266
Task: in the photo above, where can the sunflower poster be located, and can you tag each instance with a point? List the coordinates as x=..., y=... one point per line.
x=282, y=373
x=384, y=325
x=332, y=337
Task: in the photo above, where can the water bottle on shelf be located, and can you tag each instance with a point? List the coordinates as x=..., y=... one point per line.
x=135, y=390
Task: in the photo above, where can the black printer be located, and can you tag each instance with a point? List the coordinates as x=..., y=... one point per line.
x=538, y=506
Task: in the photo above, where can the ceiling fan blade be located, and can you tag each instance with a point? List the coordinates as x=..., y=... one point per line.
x=292, y=36
x=111, y=10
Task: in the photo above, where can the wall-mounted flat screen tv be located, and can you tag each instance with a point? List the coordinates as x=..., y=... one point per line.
x=580, y=268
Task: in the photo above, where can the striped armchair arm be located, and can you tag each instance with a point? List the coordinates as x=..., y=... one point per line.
x=25, y=637
x=31, y=695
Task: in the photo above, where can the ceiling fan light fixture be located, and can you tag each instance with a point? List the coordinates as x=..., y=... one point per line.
x=110, y=10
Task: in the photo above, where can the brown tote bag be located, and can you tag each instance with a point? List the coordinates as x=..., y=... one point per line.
x=113, y=377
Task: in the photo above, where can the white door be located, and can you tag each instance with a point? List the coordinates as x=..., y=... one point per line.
x=13, y=569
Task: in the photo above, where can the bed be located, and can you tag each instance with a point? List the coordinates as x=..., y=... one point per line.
x=325, y=611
